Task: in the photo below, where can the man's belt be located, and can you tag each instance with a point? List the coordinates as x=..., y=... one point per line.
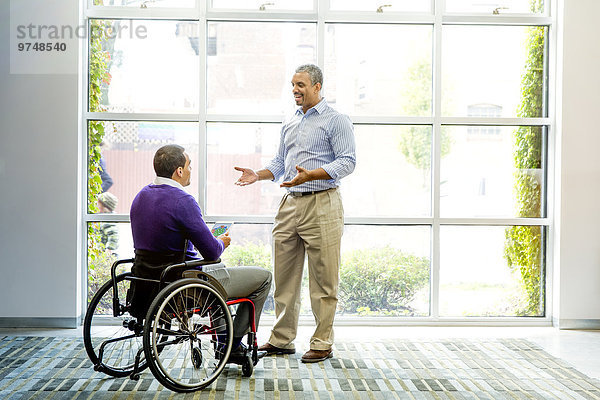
x=300, y=194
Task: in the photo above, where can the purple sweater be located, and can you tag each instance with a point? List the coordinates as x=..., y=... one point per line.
x=163, y=217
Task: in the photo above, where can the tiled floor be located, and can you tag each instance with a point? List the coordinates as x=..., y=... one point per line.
x=581, y=349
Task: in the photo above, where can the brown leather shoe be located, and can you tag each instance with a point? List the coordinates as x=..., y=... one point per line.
x=313, y=356
x=270, y=349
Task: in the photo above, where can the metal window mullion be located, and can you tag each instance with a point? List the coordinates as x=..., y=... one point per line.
x=323, y=6
x=107, y=12
x=202, y=96
x=436, y=158
x=112, y=116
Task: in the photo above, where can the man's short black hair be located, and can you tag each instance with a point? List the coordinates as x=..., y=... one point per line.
x=167, y=159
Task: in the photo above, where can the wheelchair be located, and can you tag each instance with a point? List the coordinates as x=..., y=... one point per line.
x=185, y=337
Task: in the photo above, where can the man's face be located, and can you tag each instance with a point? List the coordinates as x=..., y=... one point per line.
x=187, y=172
x=305, y=93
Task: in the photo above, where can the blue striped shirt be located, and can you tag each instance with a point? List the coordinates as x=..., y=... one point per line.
x=321, y=138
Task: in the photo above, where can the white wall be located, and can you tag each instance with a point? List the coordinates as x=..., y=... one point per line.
x=38, y=190
x=577, y=259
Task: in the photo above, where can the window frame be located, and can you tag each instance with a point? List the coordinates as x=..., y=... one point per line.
x=321, y=15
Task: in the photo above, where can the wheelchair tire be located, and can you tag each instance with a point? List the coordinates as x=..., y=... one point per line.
x=248, y=366
x=100, y=325
x=183, y=320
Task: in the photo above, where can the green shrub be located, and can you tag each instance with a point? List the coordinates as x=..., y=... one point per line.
x=381, y=281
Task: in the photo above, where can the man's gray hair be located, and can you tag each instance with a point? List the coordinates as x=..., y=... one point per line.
x=313, y=71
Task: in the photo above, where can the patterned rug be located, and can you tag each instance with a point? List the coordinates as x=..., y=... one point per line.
x=58, y=368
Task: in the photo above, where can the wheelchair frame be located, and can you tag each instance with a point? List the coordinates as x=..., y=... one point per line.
x=185, y=338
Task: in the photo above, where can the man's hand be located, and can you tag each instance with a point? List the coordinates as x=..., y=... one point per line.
x=249, y=176
x=225, y=239
x=302, y=176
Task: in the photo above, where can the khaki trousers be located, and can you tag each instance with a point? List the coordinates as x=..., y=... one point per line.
x=308, y=225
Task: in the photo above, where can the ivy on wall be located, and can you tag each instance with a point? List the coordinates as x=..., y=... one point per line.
x=523, y=244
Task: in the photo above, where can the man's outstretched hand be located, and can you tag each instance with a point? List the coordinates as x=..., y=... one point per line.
x=302, y=176
x=249, y=176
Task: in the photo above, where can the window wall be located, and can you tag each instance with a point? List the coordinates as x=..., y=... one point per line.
x=446, y=212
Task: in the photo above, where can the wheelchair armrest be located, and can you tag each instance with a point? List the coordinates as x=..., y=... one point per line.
x=185, y=265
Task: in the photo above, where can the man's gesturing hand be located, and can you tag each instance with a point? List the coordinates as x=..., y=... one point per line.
x=248, y=176
x=302, y=176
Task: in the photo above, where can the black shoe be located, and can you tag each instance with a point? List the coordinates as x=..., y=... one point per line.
x=239, y=355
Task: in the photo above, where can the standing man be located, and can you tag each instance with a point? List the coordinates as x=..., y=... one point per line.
x=316, y=151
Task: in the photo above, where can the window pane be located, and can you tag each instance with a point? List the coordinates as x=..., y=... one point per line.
x=493, y=71
x=242, y=145
x=372, y=5
x=405, y=189
x=128, y=151
x=365, y=75
x=492, y=271
x=264, y=5
x=144, y=66
x=146, y=3
x=250, y=65
x=385, y=271
x=492, y=171
x=502, y=7
x=251, y=244
x=107, y=242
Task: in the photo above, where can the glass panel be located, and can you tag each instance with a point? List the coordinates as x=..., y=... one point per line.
x=385, y=271
x=144, y=66
x=251, y=244
x=493, y=7
x=107, y=242
x=381, y=6
x=366, y=75
x=492, y=171
x=264, y=5
x=250, y=65
x=405, y=150
x=242, y=145
x=146, y=3
x=494, y=71
x=127, y=150
x=491, y=271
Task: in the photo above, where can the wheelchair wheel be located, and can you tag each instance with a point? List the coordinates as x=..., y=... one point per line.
x=112, y=343
x=188, y=335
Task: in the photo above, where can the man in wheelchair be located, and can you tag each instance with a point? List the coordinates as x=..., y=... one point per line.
x=168, y=228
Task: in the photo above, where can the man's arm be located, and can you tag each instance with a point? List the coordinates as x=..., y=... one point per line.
x=249, y=176
x=305, y=175
x=197, y=231
x=344, y=148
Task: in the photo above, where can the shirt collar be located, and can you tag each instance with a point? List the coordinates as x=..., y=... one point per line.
x=319, y=107
x=159, y=180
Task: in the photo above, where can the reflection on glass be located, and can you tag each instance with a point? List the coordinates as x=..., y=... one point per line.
x=496, y=7
x=250, y=65
x=385, y=271
x=128, y=151
x=378, y=69
x=487, y=70
x=264, y=5
x=107, y=242
x=152, y=66
x=241, y=145
x=381, y=6
x=481, y=274
x=492, y=171
x=393, y=172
